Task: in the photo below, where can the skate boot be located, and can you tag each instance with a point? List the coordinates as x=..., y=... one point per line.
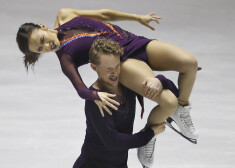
x=146, y=153
x=183, y=120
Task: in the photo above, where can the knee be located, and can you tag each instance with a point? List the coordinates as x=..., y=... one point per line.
x=169, y=102
x=192, y=64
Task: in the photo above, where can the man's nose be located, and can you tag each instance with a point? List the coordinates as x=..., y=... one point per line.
x=114, y=72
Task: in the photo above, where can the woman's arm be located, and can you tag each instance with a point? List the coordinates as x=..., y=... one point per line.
x=70, y=70
x=66, y=14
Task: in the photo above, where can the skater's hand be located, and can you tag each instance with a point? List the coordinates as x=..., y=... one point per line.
x=158, y=128
x=152, y=87
x=145, y=19
x=106, y=101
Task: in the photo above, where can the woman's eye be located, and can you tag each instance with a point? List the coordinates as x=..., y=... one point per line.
x=42, y=39
x=39, y=49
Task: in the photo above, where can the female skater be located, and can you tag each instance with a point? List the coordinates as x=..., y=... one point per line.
x=74, y=32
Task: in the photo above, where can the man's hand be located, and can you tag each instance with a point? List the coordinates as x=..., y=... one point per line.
x=152, y=87
x=106, y=101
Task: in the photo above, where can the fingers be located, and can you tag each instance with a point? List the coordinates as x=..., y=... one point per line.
x=153, y=92
x=155, y=95
x=146, y=90
x=110, y=95
x=101, y=111
x=157, y=21
x=107, y=109
x=159, y=128
x=111, y=105
x=152, y=28
x=144, y=83
x=112, y=101
x=153, y=13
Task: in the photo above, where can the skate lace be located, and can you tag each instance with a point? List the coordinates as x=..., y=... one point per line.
x=185, y=116
x=149, y=148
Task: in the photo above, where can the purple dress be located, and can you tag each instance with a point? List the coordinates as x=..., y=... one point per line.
x=74, y=52
x=76, y=38
x=109, y=138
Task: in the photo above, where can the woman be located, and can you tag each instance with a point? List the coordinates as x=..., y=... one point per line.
x=74, y=32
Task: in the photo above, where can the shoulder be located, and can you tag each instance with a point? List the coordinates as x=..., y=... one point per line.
x=64, y=15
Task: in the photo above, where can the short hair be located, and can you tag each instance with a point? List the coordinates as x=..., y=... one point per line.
x=104, y=46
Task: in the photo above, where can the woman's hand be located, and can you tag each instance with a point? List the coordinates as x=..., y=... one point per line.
x=152, y=87
x=106, y=101
x=145, y=19
x=158, y=128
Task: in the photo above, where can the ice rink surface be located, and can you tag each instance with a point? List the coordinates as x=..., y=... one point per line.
x=42, y=121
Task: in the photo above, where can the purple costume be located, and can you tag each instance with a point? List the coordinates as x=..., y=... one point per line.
x=109, y=138
x=77, y=36
x=74, y=52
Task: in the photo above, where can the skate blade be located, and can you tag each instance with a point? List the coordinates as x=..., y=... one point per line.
x=169, y=120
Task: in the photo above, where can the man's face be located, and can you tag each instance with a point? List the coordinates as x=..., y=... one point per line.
x=109, y=69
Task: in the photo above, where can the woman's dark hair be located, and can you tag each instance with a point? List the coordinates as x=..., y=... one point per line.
x=22, y=39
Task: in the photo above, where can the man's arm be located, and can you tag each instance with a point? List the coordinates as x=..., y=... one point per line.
x=107, y=132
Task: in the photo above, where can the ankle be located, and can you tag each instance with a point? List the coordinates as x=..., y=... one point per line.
x=184, y=103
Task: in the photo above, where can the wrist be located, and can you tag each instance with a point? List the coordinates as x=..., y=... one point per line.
x=162, y=80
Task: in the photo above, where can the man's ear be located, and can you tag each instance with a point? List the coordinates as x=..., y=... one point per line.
x=93, y=66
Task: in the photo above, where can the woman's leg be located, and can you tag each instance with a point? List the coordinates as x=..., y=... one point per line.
x=133, y=73
x=163, y=56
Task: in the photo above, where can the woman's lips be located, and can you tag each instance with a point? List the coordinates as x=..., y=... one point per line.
x=53, y=46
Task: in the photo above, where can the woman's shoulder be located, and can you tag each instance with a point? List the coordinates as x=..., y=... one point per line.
x=64, y=15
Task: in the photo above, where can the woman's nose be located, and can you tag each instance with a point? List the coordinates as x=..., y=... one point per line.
x=47, y=44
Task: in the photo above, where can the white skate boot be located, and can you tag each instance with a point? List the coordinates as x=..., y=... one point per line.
x=183, y=120
x=146, y=153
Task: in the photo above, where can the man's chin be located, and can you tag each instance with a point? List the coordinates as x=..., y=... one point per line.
x=114, y=84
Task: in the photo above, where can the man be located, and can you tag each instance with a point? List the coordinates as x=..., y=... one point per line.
x=109, y=138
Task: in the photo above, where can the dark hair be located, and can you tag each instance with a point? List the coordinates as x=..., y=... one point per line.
x=22, y=39
x=104, y=46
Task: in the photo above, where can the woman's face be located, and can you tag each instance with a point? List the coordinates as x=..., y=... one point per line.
x=43, y=40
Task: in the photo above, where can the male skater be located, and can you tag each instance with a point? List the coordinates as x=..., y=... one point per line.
x=109, y=138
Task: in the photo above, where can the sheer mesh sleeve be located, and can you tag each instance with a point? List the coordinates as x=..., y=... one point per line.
x=69, y=68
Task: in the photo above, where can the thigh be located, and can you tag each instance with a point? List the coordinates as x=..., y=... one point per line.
x=165, y=56
x=134, y=73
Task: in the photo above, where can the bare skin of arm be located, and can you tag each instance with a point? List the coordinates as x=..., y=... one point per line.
x=66, y=14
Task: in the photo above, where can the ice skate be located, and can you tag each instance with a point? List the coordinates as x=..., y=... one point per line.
x=183, y=121
x=146, y=153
